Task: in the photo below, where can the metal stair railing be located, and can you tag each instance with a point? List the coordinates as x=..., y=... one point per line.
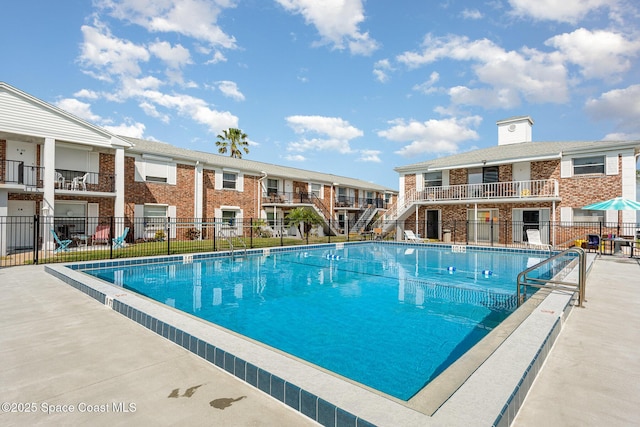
x=230, y=235
x=363, y=219
x=557, y=282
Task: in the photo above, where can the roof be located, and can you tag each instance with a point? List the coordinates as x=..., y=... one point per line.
x=520, y=152
x=65, y=116
x=143, y=146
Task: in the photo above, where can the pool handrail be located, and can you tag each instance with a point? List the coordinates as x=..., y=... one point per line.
x=554, y=284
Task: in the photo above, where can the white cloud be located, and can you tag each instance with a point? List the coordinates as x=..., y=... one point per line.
x=79, y=109
x=337, y=22
x=371, y=156
x=192, y=18
x=381, y=69
x=217, y=57
x=472, y=14
x=174, y=56
x=151, y=110
x=295, y=158
x=619, y=105
x=335, y=133
x=87, y=94
x=570, y=11
x=194, y=108
x=599, y=54
x=427, y=86
x=110, y=55
x=134, y=130
x=536, y=76
x=432, y=136
x=230, y=90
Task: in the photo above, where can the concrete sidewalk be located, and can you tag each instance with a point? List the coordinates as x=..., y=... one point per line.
x=592, y=375
x=63, y=351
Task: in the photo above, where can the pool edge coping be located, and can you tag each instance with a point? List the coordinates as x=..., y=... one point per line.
x=346, y=402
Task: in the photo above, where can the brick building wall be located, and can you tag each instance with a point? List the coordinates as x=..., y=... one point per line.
x=180, y=195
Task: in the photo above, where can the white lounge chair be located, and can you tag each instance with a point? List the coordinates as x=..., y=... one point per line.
x=411, y=237
x=533, y=239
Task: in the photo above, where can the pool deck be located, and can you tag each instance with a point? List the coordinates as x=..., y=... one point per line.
x=60, y=347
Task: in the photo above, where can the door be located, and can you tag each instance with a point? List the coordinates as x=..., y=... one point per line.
x=484, y=227
x=21, y=162
x=530, y=220
x=433, y=224
x=20, y=224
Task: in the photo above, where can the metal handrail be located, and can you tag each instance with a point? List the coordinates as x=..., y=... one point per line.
x=553, y=283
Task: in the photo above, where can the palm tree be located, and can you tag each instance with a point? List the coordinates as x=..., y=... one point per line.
x=234, y=140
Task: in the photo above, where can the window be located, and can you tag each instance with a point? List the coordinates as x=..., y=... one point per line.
x=272, y=186
x=588, y=165
x=229, y=180
x=369, y=197
x=315, y=189
x=155, y=179
x=432, y=179
x=155, y=217
x=229, y=218
x=580, y=215
x=156, y=171
x=490, y=174
x=475, y=176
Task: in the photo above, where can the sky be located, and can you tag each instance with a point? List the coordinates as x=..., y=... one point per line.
x=349, y=87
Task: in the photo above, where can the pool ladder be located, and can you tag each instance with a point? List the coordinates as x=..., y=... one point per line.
x=557, y=282
x=229, y=236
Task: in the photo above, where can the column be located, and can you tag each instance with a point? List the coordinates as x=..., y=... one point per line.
x=118, y=204
x=48, y=197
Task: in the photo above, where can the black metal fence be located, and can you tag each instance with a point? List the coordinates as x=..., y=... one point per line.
x=40, y=239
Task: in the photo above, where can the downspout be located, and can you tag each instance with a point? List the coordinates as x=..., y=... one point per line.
x=262, y=178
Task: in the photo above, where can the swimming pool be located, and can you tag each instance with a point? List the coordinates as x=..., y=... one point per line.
x=391, y=317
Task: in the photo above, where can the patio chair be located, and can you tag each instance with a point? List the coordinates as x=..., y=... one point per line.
x=63, y=245
x=533, y=239
x=118, y=242
x=101, y=235
x=593, y=242
x=59, y=180
x=80, y=182
x=411, y=237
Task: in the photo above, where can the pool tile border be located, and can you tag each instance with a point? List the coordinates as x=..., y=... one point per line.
x=292, y=395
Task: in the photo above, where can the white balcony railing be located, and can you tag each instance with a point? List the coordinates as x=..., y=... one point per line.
x=542, y=188
x=513, y=190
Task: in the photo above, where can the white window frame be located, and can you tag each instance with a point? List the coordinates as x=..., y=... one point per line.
x=154, y=169
x=591, y=165
x=226, y=181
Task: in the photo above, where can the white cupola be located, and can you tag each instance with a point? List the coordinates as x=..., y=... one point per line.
x=514, y=130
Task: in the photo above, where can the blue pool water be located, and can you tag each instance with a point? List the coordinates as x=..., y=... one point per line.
x=391, y=317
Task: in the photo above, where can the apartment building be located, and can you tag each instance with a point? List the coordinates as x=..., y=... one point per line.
x=518, y=183
x=58, y=166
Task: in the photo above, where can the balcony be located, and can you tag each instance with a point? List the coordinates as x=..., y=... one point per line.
x=495, y=191
x=71, y=180
x=16, y=173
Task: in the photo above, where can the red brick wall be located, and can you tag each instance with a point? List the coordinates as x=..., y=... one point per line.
x=180, y=195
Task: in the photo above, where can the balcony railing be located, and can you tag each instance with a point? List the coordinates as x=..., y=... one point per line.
x=307, y=198
x=16, y=172
x=84, y=181
x=542, y=188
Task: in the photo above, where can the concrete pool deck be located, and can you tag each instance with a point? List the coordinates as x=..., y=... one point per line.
x=59, y=347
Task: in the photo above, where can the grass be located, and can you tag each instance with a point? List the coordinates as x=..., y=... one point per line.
x=156, y=248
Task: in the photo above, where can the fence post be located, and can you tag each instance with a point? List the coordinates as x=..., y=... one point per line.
x=251, y=232
x=36, y=237
x=491, y=230
x=112, y=221
x=214, y=234
x=168, y=235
